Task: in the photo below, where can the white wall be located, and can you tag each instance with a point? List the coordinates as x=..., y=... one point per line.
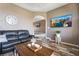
x=24, y=18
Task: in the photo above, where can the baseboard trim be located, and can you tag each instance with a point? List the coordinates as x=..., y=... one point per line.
x=70, y=44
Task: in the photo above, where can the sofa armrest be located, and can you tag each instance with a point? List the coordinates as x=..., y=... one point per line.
x=0, y=48
x=32, y=36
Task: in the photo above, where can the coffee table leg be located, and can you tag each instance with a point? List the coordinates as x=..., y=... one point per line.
x=15, y=52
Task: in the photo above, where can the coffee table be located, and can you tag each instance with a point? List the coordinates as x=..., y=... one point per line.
x=23, y=50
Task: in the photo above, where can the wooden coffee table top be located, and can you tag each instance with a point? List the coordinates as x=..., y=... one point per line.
x=23, y=50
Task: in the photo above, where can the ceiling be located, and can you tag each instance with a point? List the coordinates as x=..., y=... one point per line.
x=40, y=7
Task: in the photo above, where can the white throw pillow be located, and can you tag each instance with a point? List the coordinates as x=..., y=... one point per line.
x=3, y=38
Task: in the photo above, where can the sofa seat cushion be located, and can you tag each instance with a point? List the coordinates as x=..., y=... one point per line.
x=24, y=40
x=7, y=49
x=9, y=43
x=27, y=39
x=12, y=38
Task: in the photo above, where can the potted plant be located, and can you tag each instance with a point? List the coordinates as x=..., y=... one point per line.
x=58, y=37
x=58, y=32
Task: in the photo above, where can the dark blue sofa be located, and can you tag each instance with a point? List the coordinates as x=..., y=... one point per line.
x=14, y=37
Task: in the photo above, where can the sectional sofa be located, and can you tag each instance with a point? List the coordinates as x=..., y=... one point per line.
x=13, y=37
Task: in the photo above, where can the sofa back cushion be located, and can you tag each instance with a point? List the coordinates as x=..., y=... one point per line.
x=23, y=34
x=11, y=35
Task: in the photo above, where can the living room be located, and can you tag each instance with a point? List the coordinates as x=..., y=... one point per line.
x=21, y=23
